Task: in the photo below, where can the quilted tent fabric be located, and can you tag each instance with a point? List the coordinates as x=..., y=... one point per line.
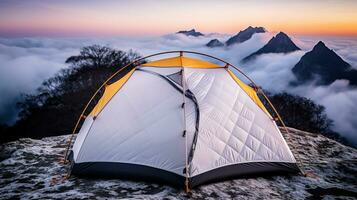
x=233, y=129
x=175, y=123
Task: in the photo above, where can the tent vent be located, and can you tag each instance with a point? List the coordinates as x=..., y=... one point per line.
x=176, y=77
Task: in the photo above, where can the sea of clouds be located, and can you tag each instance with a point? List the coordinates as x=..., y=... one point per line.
x=26, y=62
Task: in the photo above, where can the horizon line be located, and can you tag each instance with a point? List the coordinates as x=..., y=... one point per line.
x=135, y=35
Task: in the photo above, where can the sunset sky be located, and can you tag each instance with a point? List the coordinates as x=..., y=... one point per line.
x=149, y=17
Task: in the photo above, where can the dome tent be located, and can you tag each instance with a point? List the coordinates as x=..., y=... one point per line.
x=182, y=121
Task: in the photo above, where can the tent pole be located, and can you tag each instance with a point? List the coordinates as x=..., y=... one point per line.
x=187, y=188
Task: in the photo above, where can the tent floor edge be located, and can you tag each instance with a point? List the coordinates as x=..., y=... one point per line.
x=244, y=170
x=127, y=171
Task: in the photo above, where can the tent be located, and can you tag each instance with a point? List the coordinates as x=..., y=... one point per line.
x=183, y=121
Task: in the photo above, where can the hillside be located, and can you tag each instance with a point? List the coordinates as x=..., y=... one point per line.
x=27, y=167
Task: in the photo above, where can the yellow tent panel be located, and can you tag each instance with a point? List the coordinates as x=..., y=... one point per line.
x=109, y=92
x=181, y=61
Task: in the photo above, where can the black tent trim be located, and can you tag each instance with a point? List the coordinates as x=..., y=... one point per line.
x=244, y=170
x=130, y=171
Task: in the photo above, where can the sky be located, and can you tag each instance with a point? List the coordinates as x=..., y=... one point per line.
x=148, y=17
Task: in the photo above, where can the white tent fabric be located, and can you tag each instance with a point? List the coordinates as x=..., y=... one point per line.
x=143, y=124
x=233, y=129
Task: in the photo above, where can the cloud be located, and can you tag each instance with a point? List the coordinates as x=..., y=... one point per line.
x=273, y=71
x=339, y=99
x=26, y=62
x=22, y=71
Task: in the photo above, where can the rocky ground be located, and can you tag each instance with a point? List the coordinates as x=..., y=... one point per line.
x=27, y=168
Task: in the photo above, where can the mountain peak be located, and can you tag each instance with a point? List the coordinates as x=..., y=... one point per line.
x=320, y=45
x=281, y=35
x=244, y=35
x=325, y=65
x=214, y=43
x=191, y=32
x=280, y=43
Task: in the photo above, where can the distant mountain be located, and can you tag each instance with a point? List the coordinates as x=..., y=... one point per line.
x=281, y=43
x=244, y=35
x=191, y=32
x=324, y=65
x=214, y=43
